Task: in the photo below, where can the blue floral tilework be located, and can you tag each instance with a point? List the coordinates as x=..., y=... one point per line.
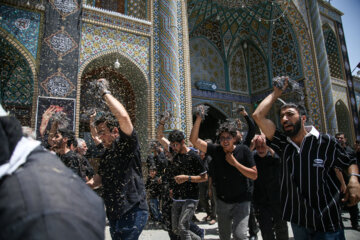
x=23, y=25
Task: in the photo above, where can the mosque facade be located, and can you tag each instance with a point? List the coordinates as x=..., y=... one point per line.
x=172, y=55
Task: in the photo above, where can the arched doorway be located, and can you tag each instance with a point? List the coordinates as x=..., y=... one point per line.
x=127, y=83
x=343, y=120
x=16, y=83
x=209, y=127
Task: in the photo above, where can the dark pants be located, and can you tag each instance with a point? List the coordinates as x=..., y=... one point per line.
x=130, y=225
x=301, y=233
x=253, y=227
x=354, y=215
x=271, y=224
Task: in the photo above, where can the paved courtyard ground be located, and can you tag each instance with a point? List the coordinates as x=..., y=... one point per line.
x=211, y=231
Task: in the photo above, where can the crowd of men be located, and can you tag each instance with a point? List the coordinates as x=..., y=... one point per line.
x=294, y=174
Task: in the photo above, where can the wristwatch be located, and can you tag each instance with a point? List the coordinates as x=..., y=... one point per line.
x=355, y=174
x=189, y=178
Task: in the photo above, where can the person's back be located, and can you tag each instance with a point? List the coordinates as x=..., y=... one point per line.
x=40, y=198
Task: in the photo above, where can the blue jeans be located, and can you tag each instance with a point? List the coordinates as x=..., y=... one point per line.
x=154, y=207
x=130, y=225
x=302, y=233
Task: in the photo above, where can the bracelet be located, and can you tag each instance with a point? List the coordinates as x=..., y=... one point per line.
x=105, y=92
x=355, y=174
x=189, y=178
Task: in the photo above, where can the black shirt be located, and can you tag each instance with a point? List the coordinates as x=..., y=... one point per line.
x=154, y=187
x=73, y=161
x=310, y=190
x=190, y=164
x=121, y=175
x=267, y=185
x=231, y=186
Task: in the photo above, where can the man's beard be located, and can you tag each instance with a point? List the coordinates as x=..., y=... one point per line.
x=296, y=129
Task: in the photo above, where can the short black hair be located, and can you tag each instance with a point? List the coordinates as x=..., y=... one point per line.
x=109, y=119
x=229, y=127
x=69, y=134
x=176, y=136
x=300, y=108
x=339, y=133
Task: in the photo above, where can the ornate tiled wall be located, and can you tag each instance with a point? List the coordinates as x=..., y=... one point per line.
x=339, y=93
x=238, y=73
x=96, y=39
x=17, y=82
x=285, y=56
x=206, y=63
x=332, y=51
x=137, y=8
x=259, y=77
x=23, y=25
x=309, y=69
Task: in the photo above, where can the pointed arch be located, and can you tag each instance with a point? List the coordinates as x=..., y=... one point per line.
x=343, y=119
x=129, y=84
x=21, y=84
x=333, y=52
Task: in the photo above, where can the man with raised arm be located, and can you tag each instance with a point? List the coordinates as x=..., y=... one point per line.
x=120, y=171
x=232, y=168
x=185, y=172
x=310, y=191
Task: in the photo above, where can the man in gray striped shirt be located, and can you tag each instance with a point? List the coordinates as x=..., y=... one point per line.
x=310, y=191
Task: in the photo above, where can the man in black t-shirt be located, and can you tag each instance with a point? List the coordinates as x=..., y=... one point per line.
x=231, y=169
x=120, y=171
x=63, y=141
x=353, y=210
x=266, y=197
x=186, y=172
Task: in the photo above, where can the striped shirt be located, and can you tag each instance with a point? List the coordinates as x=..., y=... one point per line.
x=310, y=190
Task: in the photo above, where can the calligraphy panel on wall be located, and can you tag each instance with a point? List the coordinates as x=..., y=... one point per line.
x=60, y=51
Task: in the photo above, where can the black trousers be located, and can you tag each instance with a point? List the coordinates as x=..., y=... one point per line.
x=271, y=224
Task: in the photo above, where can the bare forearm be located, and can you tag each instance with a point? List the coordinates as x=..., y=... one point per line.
x=199, y=178
x=194, y=136
x=247, y=172
x=120, y=113
x=259, y=116
x=353, y=169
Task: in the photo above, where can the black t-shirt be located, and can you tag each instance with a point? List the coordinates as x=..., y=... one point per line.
x=185, y=164
x=153, y=186
x=231, y=186
x=121, y=174
x=86, y=167
x=73, y=161
x=267, y=185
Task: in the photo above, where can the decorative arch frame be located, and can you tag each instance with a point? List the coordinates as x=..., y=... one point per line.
x=32, y=63
x=219, y=53
x=341, y=63
x=123, y=59
x=347, y=118
x=312, y=86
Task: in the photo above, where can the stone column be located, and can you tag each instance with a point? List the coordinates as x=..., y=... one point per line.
x=169, y=62
x=323, y=66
